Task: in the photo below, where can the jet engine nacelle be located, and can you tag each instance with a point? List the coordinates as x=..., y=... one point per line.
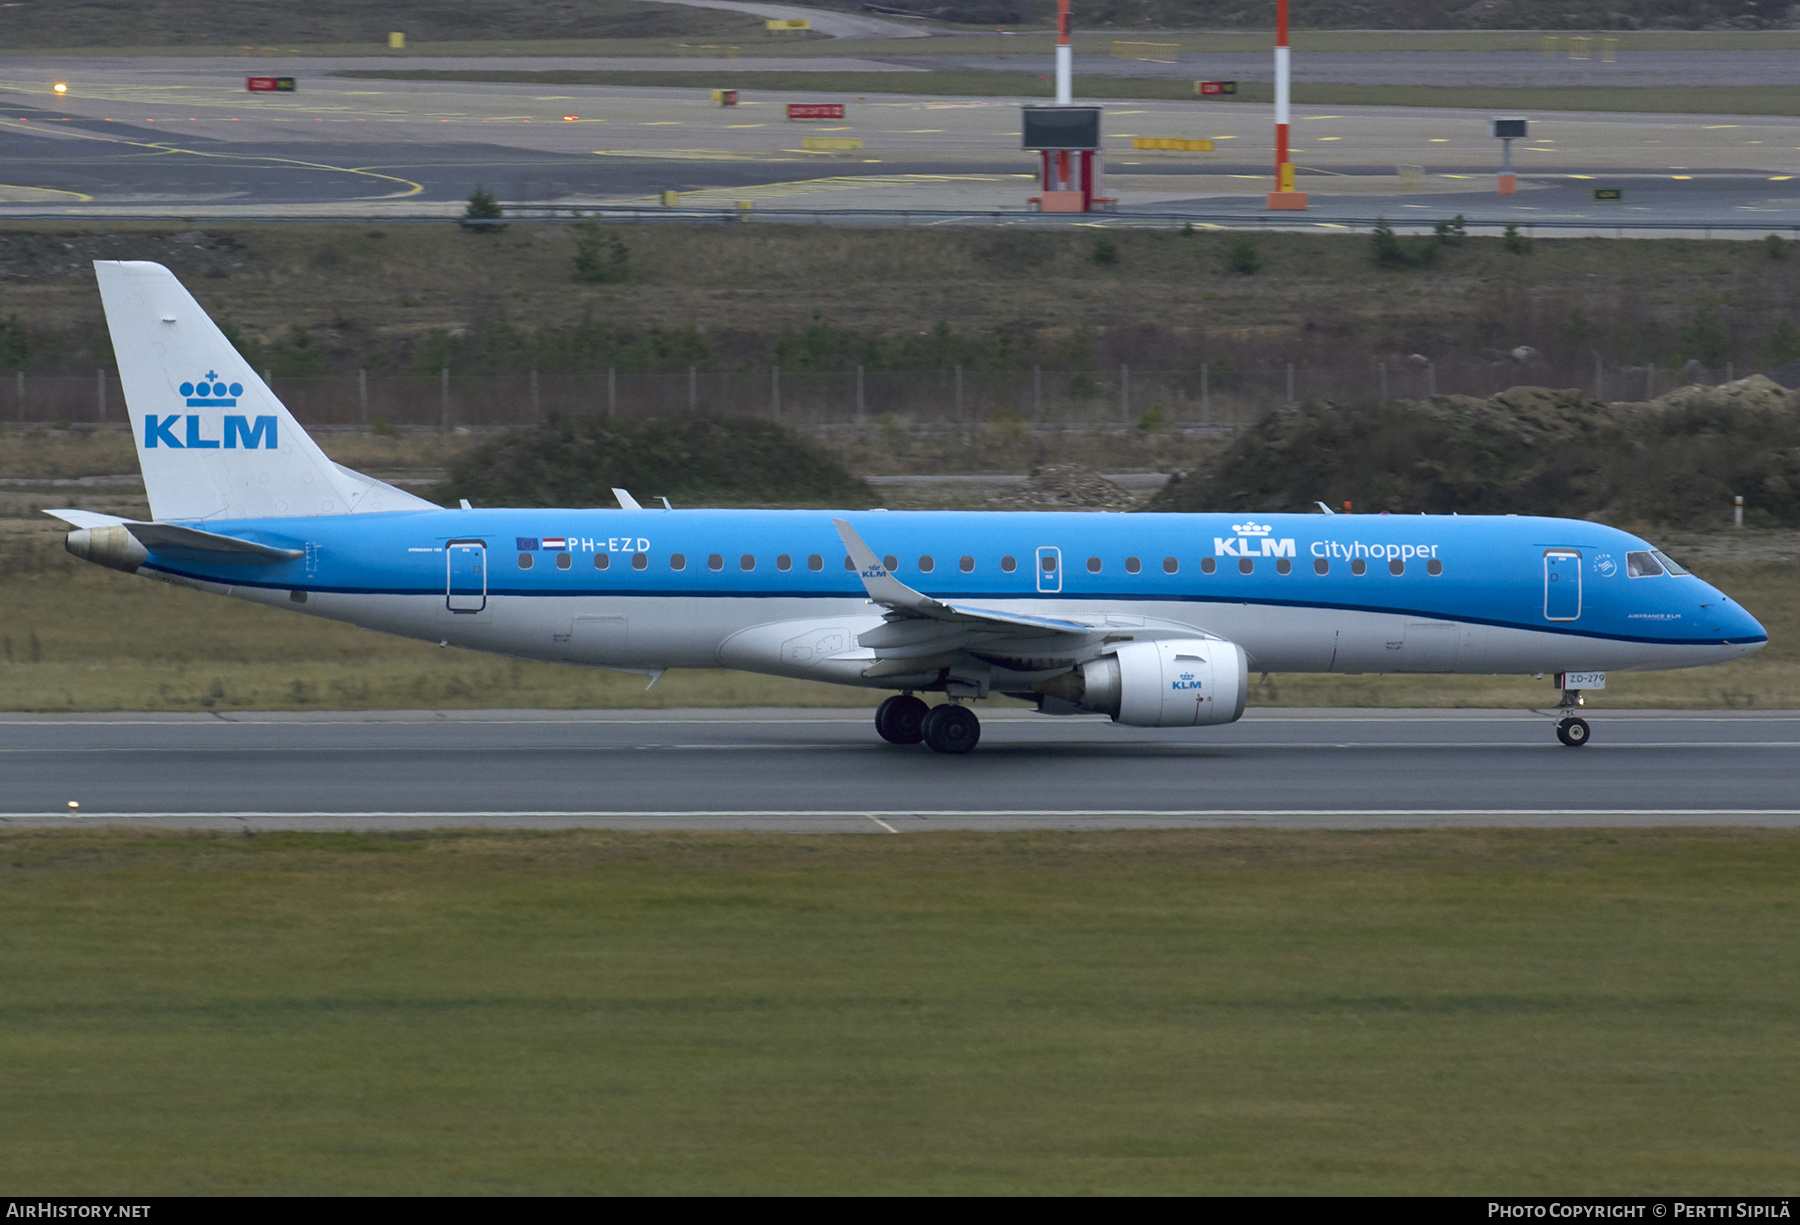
x=1181, y=682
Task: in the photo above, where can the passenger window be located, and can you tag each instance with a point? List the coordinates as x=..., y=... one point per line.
x=1641, y=565
x=564, y=561
x=1283, y=566
x=1093, y=565
x=1321, y=566
x=1170, y=565
x=524, y=561
x=1133, y=565
x=1668, y=563
x=1434, y=567
x=715, y=562
x=1208, y=565
x=1008, y=564
x=1048, y=562
x=640, y=561
x=602, y=561
x=747, y=562
x=1358, y=566
x=891, y=564
x=815, y=562
x=967, y=565
x=784, y=562
x=1397, y=567
x=926, y=565
x=1246, y=566
x=677, y=562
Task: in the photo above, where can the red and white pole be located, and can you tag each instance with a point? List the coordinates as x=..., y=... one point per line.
x=1284, y=195
x=1065, y=64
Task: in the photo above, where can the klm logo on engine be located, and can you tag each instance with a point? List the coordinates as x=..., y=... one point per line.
x=172, y=432
x=1187, y=681
x=1252, y=540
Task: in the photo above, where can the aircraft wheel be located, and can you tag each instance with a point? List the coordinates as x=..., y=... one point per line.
x=901, y=719
x=1573, y=732
x=952, y=729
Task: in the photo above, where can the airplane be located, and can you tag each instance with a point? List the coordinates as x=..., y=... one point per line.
x=1156, y=620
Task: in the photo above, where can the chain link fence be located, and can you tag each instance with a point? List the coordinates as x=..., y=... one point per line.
x=1208, y=397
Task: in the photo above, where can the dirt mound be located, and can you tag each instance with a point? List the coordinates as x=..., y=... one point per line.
x=1073, y=485
x=1676, y=460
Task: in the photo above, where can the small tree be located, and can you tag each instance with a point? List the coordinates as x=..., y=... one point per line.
x=1776, y=246
x=1451, y=233
x=1106, y=251
x=484, y=211
x=1384, y=247
x=600, y=258
x=1242, y=257
x=1515, y=242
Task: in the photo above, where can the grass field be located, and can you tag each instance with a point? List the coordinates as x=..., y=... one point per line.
x=391, y=298
x=1677, y=99
x=1530, y=1012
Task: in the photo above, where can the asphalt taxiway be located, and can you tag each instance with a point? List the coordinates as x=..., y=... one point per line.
x=183, y=138
x=826, y=770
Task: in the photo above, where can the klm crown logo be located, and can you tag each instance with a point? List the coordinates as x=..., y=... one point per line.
x=1252, y=528
x=210, y=393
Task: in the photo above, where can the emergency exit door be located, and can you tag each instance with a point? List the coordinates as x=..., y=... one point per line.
x=1562, y=584
x=465, y=564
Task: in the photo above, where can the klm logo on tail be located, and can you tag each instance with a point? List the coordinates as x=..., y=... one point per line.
x=159, y=431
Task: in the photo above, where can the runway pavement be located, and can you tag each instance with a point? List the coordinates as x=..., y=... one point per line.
x=183, y=138
x=826, y=770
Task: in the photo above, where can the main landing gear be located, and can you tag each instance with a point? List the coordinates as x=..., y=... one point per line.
x=950, y=728
x=1571, y=729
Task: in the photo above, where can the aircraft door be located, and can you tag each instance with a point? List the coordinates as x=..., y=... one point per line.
x=1562, y=584
x=465, y=563
x=1049, y=568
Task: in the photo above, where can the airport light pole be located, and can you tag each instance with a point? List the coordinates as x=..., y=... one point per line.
x=1284, y=196
x=1065, y=54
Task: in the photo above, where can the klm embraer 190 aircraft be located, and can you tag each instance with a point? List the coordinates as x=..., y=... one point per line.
x=1155, y=620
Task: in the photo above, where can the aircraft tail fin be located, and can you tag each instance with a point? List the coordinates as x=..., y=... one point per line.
x=213, y=441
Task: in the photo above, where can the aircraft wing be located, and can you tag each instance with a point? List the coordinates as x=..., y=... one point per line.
x=889, y=592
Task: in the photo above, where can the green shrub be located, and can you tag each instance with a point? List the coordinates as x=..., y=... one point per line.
x=601, y=258
x=1776, y=246
x=1384, y=246
x=1514, y=242
x=1242, y=257
x=1106, y=251
x=484, y=211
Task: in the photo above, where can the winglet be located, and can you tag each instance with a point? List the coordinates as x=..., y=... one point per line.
x=626, y=501
x=884, y=588
x=1324, y=508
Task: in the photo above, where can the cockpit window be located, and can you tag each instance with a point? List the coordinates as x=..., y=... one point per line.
x=1668, y=562
x=1641, y=565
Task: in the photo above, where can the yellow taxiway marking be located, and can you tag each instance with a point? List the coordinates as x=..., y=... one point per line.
x=746, y=125
x=802, y=187
x=14, y=193
x=1328, y=138
x=1439, y=140
x=412, y=188
x=1681, y=176
x=918, y=131
x=1321, y=117
x=1581, y=176
x=1780, y=178
x=1719, y=127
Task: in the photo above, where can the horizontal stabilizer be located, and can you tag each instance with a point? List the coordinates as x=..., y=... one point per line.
x=166, y=538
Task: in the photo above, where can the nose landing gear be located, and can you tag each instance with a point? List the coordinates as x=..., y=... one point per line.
x=1571, y=729
x=1572, y=732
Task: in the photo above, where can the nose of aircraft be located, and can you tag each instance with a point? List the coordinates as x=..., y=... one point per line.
x=1732, y=622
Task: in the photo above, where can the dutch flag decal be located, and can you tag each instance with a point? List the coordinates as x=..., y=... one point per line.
x=555, y=542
